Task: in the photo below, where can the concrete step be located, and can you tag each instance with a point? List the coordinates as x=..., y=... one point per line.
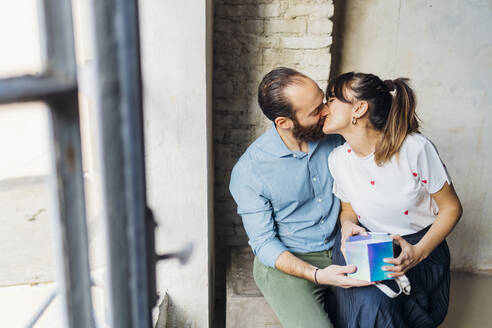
x=470, y=299
x=246, y=306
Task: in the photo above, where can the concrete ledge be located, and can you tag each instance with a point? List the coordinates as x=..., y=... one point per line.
x=246, y=306
x=469, y=300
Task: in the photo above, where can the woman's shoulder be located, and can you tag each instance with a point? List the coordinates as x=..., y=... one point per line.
x=416, y=142
x=336, y=159
x=337, y=153
x=336, y=156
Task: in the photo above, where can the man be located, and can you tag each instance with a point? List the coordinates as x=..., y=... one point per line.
x=283, y=190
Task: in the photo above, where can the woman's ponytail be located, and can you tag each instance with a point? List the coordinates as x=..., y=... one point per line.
x=401, y=120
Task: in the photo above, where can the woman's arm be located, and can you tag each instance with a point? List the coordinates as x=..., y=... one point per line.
x=349, y=224
x=450, y=211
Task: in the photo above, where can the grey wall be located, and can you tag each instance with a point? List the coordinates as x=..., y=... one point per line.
x=445, y=47
x=176, y=58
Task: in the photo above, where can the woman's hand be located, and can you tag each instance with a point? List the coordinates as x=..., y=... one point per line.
x=349, y=229
x=410, y=256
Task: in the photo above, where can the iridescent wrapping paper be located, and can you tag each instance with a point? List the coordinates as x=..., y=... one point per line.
x=367, y=253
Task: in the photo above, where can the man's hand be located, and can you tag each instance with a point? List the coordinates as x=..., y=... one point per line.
x=335, y=275
x=349, y=229
x=409, y=257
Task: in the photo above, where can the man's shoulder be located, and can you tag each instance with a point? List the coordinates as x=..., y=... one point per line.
x=254, y=152
x=258, y=149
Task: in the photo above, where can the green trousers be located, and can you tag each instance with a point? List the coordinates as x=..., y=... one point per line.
x=298, y=303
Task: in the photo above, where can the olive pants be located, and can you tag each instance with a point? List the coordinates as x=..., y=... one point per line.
x=298, y=303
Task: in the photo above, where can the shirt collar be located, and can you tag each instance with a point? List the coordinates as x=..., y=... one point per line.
x=276, y=146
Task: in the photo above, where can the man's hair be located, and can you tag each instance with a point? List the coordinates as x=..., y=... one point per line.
x=271, y=96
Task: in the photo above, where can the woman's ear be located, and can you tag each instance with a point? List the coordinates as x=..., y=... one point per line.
x=284, y=122
x=360, y=109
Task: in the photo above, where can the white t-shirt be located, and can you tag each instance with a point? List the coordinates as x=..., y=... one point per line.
x=395, y=197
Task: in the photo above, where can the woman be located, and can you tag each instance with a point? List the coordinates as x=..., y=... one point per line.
x=390, y=179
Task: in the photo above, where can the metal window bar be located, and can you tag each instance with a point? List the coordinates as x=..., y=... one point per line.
x=57, y=87
x=130, y=224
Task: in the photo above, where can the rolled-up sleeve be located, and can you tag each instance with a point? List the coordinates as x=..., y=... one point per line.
x=256, y=213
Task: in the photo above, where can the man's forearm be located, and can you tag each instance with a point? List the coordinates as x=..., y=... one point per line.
x=291, y=264
x=334, y=275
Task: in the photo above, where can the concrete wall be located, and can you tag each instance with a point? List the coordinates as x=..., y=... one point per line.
x=445, y=47
x=176, y=58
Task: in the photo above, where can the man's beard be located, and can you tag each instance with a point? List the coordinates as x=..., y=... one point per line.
x=310, y=133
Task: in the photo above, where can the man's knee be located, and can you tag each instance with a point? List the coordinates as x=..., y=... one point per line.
x=296, y=302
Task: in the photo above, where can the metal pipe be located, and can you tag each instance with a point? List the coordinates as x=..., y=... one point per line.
x=42, y=308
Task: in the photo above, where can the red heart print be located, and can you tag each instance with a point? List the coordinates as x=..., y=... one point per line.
x=349, y=150
x=415, y=174
x=424, y=181
x=372, y=182
x=406, y=212
x=358, y=216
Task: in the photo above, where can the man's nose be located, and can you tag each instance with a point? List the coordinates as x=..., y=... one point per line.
x=324, y=110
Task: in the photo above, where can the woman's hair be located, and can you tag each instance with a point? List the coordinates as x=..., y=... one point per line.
x=394, y=115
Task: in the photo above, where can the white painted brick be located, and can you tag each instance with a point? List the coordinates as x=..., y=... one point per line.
x=251, y=38
x=306, y=42
x=274, y=57
x=321, y=57
x=220, y=75
x=255, y=26
x=286, y=26
x=303, y=57
x=316, y=73
x=269, y=10
x=222, y=60
x=322, y=84
x=223, y=90
x=222, y=25
x=324, y=10
x=267, y=41
x=320, y=26
x=229, y=11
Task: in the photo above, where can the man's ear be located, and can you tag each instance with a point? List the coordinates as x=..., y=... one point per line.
x=284, y=122
x=361, y=108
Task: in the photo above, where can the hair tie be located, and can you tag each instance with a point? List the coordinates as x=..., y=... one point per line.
x=390, y=84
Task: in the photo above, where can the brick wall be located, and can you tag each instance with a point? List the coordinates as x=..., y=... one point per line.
x=251, y=37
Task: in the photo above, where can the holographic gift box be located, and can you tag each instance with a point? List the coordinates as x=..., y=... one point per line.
x=367, y=253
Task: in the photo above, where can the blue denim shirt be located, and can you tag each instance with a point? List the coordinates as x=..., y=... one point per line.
x=285, y=197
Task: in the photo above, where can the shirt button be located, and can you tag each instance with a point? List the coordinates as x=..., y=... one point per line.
x=320, y=200
x=294, y=155
x=314, y=179
x=322, y=220
x=327, y=240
